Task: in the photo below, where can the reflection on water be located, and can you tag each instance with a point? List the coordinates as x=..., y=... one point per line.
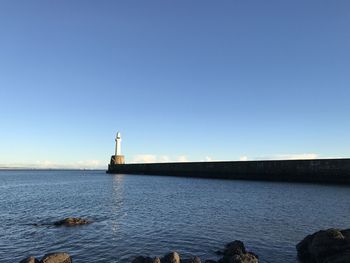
x=117, y=200
x=152, y=215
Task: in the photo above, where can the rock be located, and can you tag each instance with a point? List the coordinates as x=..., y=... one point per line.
x=244, y=258
x=326, y=243
x=72, y=221
x=303, y=248
x=172, y=257
x=325, y=246
x=192, y=260
x=235, y=252
x=339, y=258
x=59, y=257
x=155, y=260
x=346, y=233
x=210, y=261
x=29, y=260
x=233, y=248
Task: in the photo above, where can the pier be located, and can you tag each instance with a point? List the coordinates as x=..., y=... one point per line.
x=336, y=171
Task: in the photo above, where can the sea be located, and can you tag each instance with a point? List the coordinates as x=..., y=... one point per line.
x=152, y=215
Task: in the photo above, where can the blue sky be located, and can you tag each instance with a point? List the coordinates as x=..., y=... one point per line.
x=181, y=80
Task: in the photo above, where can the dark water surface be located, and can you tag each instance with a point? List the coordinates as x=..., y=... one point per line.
x=152, y=215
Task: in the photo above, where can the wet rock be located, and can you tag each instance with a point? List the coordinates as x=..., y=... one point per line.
x=155, y=260
x=59, y=257
x=172, y=257
x=234, y=248
x=29, y=260
x=235, y=252
x=72, y=221
x=325, y=246
x=192, y=260
x=346, y=233
x=303, y=248
x=244, y=258
x=326, y=243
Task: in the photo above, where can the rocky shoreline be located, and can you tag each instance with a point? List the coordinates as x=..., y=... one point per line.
x=325, y=246
x=234, y=252
x=60, y=257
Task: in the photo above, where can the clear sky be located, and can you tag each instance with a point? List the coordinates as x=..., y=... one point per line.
x=182, y=80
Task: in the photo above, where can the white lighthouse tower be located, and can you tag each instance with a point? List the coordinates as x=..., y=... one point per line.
x=118, y=141
x=118, y=158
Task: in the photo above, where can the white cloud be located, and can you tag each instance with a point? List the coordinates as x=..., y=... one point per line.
x=164, y=159
x=290, y=156
x=211, y=159
x=84, y=164
x=182, y=158
x=243, y=158
x=145, y=158
x=47, y=164
x=301, y=156
x=91, y=164
x=208, y=159
x=152, y=158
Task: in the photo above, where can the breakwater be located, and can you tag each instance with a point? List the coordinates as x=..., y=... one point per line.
x=313, y=171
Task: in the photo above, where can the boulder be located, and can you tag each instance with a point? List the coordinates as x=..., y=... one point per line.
x=155, y=260
x=29, y=260
x=244, y=258
x=59, y=257
x=343, y=257
x=346, y=233
x=72, y=221
x=325, y=246
x=235, y=252
x=172, y=257
x=234, y=248
x=192, y=260
x=303, y=249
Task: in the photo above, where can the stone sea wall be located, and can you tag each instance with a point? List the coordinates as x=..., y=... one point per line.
x=314, y=171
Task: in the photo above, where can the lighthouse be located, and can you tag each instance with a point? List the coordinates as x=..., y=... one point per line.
x=118, y=158
x=118, y=140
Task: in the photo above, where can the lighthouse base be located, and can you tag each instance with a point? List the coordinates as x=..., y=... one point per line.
x=117, y=159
